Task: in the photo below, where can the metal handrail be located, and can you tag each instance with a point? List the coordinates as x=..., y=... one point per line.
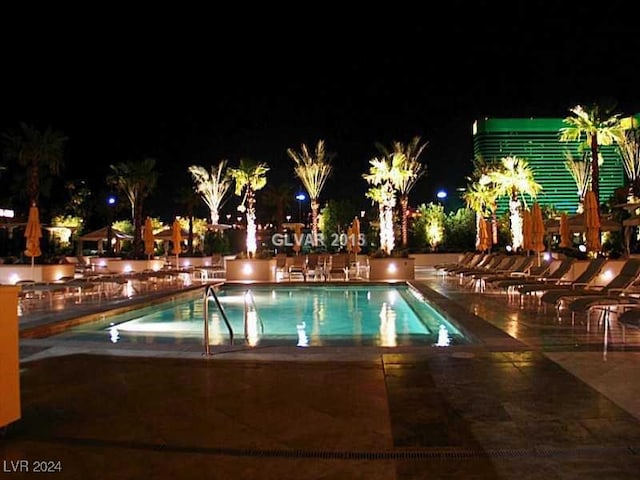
x=210, y=291
x=249, y=294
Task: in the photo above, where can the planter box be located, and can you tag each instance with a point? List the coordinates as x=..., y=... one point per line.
x=12, y=273
x=391, y=269
x=251, y=270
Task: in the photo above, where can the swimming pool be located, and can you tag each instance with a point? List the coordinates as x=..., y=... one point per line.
x=318, y=315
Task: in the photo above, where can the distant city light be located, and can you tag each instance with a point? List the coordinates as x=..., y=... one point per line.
x=111, y=200
x=301, y=196
x=441, y=194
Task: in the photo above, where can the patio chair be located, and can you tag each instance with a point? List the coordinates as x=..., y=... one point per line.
x=339, y=265
x=281, y=266
x=298, y=267
x=466, y=258
x=590, y=272
x=313, y=266
x=521, y=267
x=627, y=276
x=629, y=319
x=549, y=273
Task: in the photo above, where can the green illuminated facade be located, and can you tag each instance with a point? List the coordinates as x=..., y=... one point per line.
x=536, y=141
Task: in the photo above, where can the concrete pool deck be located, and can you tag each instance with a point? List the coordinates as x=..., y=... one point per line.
x=532, y=399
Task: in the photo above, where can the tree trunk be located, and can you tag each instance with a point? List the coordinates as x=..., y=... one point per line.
x=138, y=244
x=190, y=238
x=34, y=182
x=314, y=222
x=251, y=224
x=595, y=168
x=404, y=208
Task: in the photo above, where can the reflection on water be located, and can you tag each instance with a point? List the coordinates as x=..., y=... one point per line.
x=387, y=326
x=303, y=340
x=444, y=340
x=251, y=328
x=114, y=335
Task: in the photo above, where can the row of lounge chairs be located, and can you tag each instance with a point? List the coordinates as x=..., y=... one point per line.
x=551, y=284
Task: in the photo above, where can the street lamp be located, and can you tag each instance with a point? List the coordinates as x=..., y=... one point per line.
x=442, y=196
x=301, y=197
x=111, y=203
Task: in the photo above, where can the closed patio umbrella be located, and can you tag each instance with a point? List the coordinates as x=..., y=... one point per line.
x=176, y=238
x=565, y=234
x=537, y=229
x=33, y=234
x=149, y=239
x=485, y=235
x=356, y=236
x=592, y=222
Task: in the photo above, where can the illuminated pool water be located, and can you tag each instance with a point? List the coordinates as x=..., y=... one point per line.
x=285, y=315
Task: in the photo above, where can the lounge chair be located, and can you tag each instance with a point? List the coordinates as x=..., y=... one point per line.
x=629, y=319
x=627, y=276
x=590, y=272
x=522, y=267
x=464, y=260
x=550, y=273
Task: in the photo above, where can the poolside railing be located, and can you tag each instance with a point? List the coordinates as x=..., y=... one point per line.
x=209, y=293
x=251, y=320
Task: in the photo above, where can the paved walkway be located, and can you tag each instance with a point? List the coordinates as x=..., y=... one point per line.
x=542, y=400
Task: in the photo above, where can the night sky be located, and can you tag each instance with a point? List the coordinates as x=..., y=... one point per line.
x=199, y=89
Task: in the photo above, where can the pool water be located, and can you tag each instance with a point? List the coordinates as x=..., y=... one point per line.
x=354, y=315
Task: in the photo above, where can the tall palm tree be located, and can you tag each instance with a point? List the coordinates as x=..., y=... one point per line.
x=136, y=180
x=580, y=171
x=629, y=147
x=313, y=171
x=385, y=175
x=250, y=176
x=187, y=198
x=279, y=198
x=34, y=149
x=212, y=187
x=598, y=126
x=515, y=179
x=411, y=152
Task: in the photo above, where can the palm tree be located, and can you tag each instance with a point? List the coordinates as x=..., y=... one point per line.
x=481, y=190
x=515, y=179
x=136, y=179
x=580, y=171
x=385, y=175
x=34, y=149
x=186, y=198
x=479, y=198
x=249, y=177
x=599, y=127
x=279, y=198
x=629, y=147
x=313, y=171
x=212, y=187
x=411, y=152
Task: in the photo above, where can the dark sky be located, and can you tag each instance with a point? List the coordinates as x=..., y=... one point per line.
x=193, y=88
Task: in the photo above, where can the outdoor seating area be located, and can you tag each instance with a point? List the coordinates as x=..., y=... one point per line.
x=96, y=288
x=319, y=267
x=575, y=289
